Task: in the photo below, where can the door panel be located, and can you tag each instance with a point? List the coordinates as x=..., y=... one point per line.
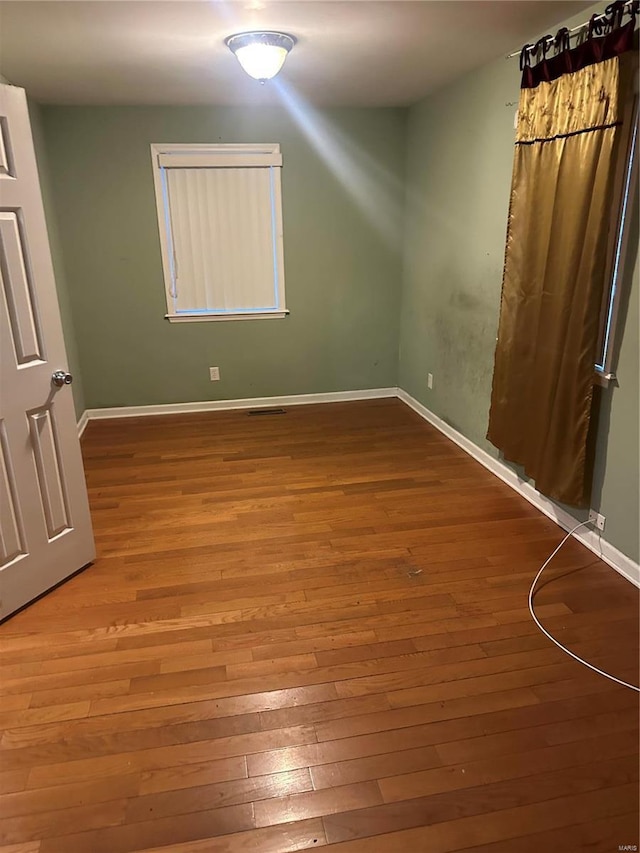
x=50, y=475
x=18, y=291
x=45, y=527
x=11, y=538
x=5, y=161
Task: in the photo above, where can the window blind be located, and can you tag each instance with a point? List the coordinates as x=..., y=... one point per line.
x=223, y=239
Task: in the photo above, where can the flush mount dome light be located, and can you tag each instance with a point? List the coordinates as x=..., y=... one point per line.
x=261, y=53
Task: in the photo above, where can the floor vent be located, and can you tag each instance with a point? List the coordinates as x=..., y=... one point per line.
x=267, y=412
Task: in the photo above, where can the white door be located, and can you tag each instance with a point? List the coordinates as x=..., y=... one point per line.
x=45, y=527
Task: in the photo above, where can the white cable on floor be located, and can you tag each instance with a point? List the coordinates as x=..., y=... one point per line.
x=553, y=639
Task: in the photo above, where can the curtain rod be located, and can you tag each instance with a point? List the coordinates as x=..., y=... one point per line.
x=572, y=31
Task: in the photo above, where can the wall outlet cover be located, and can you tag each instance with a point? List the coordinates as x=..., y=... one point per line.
x=597, y=519
x=214, y=374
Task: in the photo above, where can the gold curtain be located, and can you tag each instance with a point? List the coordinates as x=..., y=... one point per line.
x=555, y=264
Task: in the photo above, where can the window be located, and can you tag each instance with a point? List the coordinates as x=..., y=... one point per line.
x=626, y=181
x=220, y=221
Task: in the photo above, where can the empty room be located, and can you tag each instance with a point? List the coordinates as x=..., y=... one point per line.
x=319, y=426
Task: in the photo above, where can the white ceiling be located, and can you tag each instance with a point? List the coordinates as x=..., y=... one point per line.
x=355, y=53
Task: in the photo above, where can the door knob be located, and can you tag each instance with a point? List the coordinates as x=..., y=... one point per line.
x=61, y=377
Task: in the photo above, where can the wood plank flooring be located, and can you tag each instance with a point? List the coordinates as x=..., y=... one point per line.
x=309, y=630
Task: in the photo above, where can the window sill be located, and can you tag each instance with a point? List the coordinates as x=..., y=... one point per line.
x=205, y=318
x=604, y=379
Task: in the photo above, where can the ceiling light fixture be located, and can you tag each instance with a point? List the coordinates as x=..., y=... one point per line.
x=261, y=53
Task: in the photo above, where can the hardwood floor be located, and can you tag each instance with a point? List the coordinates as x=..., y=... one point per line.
x=311, y=629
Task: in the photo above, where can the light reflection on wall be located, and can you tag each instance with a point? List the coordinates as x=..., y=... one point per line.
x=376, y=190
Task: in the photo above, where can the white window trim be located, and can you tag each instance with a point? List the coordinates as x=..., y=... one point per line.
x=216, y=156
x=617, y=252
x=186, y=317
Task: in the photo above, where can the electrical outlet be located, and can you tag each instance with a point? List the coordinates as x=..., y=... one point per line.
x=214, y=374
x=430, y=380
x=597, y=519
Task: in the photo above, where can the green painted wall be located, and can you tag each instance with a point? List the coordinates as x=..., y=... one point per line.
x=343, y=277
x=459, y=160
x=64, y=300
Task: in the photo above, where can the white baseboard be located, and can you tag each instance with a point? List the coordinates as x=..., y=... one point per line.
x=591, y=539
x=246, y=403
x=82, y=423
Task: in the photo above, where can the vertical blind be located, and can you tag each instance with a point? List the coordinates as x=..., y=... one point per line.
x=219, y=211
x=223, y=236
